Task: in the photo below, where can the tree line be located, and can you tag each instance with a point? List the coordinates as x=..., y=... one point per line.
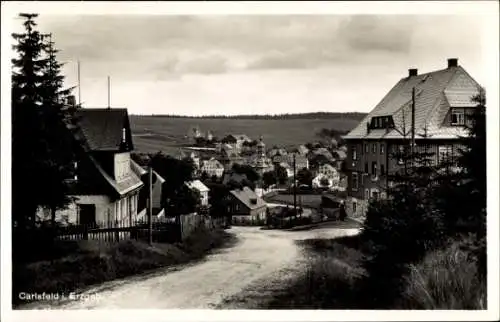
x=286, y=116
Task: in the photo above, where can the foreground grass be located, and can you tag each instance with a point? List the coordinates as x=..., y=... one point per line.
x=329, y=279
x=446, y=279
x=93, y=262
x=332, y=279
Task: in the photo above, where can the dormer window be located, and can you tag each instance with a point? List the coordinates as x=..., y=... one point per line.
x=457, y=117
x=381, y=122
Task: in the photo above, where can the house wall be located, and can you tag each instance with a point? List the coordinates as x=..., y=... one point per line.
x=253, y=214
x=367, y=182
x=356, y=207
x=106, y=210
x=157, y=192
x=204, y=198
x=122, y=165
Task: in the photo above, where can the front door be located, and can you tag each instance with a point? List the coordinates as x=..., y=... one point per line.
x=86, y=215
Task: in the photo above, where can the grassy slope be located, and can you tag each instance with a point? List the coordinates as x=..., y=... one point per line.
x=95, y=262
x=168, y=132
x=445, y=279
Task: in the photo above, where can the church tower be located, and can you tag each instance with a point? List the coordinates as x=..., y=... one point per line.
x=261, y=162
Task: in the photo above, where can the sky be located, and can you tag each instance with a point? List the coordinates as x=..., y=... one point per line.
x=205, y=65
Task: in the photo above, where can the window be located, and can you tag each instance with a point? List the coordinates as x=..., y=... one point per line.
x=366, y=167
x=354, y=206
x=445, y=153
x=367, y=148
x=375, y=194
x=354, y=153
x=457, y=117
x=382, y=148
x=374, y=168
x=367, y=194
x=374, y=147
x=382, y=169
x=401, y=152
x=383, y=195
x=355, y=182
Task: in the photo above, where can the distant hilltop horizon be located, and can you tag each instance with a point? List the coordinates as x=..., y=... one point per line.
x=311, y=115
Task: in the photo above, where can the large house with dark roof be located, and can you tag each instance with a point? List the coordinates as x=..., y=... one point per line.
x=443, y=100
x=105, y=188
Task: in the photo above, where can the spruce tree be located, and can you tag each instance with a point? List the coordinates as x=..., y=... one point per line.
x=43, y=146
x=27, y=142
x=59, y=124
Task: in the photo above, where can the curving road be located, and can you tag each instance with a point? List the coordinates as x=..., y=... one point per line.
x=259, y=257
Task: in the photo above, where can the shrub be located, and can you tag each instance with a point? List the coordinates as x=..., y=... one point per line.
x=445, y=279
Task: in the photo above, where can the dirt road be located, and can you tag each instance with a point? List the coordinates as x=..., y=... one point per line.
x=259, y=255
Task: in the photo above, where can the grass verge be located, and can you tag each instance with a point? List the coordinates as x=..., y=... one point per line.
x=93, y=262
x=445, y=280
x=333, y=276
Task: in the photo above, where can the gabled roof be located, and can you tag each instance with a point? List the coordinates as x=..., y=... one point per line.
x=214, y=161
x=140, y=171
x=435, y=93
x=122, y=187
x=327, y=165
x=246, y=195
x=243, y=137
x=102, y=128
x=198, y=185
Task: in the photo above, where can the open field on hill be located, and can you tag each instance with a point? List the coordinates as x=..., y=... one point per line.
x=152, y=133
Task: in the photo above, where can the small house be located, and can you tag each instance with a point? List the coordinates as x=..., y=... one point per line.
x=246, y=204
x=202, y=189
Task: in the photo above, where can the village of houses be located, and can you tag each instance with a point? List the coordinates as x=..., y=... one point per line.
x=107, y=187
x=110, y=169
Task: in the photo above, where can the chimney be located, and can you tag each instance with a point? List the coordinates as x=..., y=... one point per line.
x=412, y=72
x=452, y=62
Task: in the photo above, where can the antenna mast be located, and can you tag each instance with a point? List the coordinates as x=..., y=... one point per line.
x=109, y=94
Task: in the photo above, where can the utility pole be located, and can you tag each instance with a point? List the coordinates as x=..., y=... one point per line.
x=294, y=188
x=150, y=212
x=79, y=86
x=412, y=148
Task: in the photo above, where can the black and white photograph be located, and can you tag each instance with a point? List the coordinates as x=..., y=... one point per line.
x=290, y=162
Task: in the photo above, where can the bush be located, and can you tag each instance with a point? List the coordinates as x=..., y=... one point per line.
x=445, y=279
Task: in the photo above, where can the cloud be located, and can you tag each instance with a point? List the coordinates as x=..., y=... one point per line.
x=378, y=33
x=168, y=47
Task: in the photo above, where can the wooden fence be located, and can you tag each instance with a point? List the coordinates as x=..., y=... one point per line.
x=166, y=229
x=243, y=221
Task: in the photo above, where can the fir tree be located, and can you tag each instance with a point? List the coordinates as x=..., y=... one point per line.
x=27, y=143
x=59, y=124
x=402, y=228
x=41, y=144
